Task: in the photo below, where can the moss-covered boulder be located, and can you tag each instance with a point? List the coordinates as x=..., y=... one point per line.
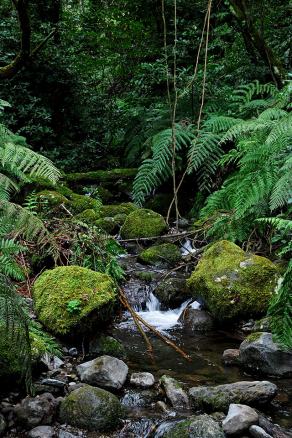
x=233, y=283
x=164, y=254
x=116, y=209
x=202, y=426
x=88, y=216
x=51, y=198
x=91, y=408
x=107, y=224
x=143, y=223
x=71, y=298
x=79, y=203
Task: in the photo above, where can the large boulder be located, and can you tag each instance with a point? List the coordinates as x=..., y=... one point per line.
x=233, y=283
x=73, y=298
x=105, y=371
x=239, y=419
x=34, y=411
x=202, y=426
x=195, y=320
x=92, y=409
x=113, y=210
x=143, y=223
x=218, y=398
x=260, y=353
x=161, y=255
x=175, y=393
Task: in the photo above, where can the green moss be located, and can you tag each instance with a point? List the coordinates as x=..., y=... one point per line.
x=107, y=224
x=51, y=198
x=233, y=283
x=111, y=347
x=79, y=203
x=116, y=209
x=55, y=288
x=144, y=275
x=120, y=218
x=104, y=194
x=167, y=253
x=253, y=337
x=101, y=175
x=88, y=216
x=143, y=223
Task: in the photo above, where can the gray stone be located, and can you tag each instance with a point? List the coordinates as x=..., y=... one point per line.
x=54, y=382
x=231, y=356
x=260, y=353
x=174, y=392
x=202, y=426
x=34, y=411
x=51, y=362
x=42, y=432
x=239, y=419
x=259, y=432
x=218, y=398
x=92, y=409
x=73, y=352
x=142, y=380
x=105, y=371
x=66, y=434
x=195, y=320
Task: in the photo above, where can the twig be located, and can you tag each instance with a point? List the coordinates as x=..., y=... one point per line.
x=152, y=329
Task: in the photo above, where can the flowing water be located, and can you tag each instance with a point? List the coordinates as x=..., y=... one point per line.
x=205, y=350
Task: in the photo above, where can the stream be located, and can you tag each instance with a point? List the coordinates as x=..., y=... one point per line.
x=205, y=350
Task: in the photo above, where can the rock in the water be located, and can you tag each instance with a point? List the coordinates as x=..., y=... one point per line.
x=33, y=411
x=143, y=223
x=160, y=255
x=260, y=353
x=233, y=283
x=174, y=392
x=91, y=408
x=231, y=356
x=142, y=380
x=218, y=398
x=258, y=432
x=274, y=429
x=42, y=432
x=172, y=292
x=195, y=320
x=73, y=298
x=239, y=419
x=105, y=371
x=106, y=345
x=202, y=426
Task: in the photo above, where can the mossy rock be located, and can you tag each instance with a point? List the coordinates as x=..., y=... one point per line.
x=104, y=194
x=100, y=176
x=120, y=218
x=144, y=276
x=143, y=223
x=107, y=224
x=72, y=298
x=116, y=209
x=106, y=345
x=233, y=283
x=51, y=198
x=92, y=409
x=164, y=254
x=202, y=426
x=88, y=216
x=79, y=203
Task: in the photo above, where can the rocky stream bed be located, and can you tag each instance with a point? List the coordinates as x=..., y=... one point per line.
x=107, y=385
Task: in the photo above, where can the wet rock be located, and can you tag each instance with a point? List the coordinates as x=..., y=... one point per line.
x=218, y=398
x=54, y=382
x=273, y=429
x=2, y=424
x=259, y=352
x=195, y=320
x=73, y=352
x=92, y=409
x=233, y=284
x=259, y=432
x=108, y=346
x=42, y=432
x=202, y=426
x=231, y=356
x=143, y=380
x=239, y=419
x=172, y=292
x=140, y=399
x=66, y=434
x=174, y=392
x=34, y=411
x=51, y=362
x=105, y=371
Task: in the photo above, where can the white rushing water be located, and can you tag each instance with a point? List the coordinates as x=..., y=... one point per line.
x=163, y=319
